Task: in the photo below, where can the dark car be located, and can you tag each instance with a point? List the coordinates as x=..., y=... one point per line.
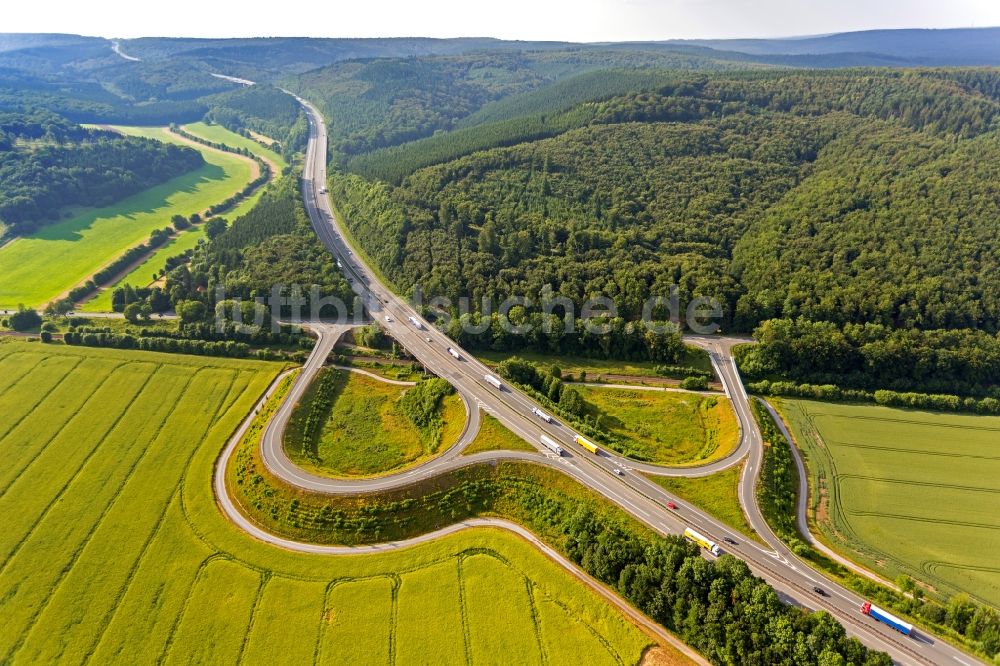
x=730, y=541
x=820, y=591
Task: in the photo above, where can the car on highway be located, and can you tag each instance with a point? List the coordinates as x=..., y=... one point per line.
x=820, y=591
x=671, y=505
x=731, y=541
x=619, y=472
x=388, y=319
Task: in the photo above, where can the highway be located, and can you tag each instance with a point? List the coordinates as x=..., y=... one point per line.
x=633, y=492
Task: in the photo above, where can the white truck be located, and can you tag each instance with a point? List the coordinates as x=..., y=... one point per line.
x=551, y=444
x=494, y=382
x=416, y=322
x=542, y=415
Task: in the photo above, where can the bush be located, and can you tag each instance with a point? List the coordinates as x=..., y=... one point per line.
x=24, y=319
x=694, y=383
x=46, y=336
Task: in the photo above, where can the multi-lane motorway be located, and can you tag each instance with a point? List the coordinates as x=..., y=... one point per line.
x=632, y=491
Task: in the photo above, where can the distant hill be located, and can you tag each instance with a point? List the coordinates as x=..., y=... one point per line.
x=957, y=46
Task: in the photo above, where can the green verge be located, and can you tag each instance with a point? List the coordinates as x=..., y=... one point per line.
x=351, y=425
x=961, y=622
x=81, y=245
x=664, y=427
x=114, y=549
x=596, y=369
x=493, y=436
x=718, y=494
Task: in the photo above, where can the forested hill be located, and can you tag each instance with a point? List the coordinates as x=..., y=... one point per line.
x=847, y=196
x=47, y=164
x=371, y=104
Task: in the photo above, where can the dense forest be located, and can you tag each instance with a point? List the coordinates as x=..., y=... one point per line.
x=858, y=196
x=874, y=356
x=47, y=164
x=374, y=104
x=271, y=245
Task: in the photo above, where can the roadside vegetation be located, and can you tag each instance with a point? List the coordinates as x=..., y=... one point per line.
x=718, y=494
x=351, y=425
x=694, y=362
x=940, y=370
x=845, y=471
x=493, y=436
x=662, y=427
x=653, y=426
x=114, y=542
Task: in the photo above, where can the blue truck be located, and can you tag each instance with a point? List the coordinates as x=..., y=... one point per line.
x=888, y=618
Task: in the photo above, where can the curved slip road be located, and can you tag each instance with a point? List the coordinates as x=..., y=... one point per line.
x=636, y=494
x=239, y=518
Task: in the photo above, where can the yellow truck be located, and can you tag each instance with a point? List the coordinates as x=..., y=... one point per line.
x=587, y=444
x=701, y=540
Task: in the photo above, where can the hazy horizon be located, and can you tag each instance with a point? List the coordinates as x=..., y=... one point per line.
x=557, y=20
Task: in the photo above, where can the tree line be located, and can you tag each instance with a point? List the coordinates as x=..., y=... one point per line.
x=873, y=356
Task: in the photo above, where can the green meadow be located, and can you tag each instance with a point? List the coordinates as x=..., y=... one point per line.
x=666, y=427
x=114, y=551
x=364, y=431
x=905, y=491
x=219, y=134
x=142, y=274
x=81, y=245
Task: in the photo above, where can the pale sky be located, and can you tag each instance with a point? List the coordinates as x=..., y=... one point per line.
x=569, y=20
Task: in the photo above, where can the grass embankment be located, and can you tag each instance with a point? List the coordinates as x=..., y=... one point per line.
x=493, y=436
x=578, y=368
x=718, y=494
x=351, y=425
x=83, y=244
x=142, y=274
x=664, y=427
x=114, y=550
x=905, y=492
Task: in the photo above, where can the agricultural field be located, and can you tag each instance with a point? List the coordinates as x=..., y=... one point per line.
x=142, y=274
x=361, y=429
x=114, y=551
x=666, y=427
x=91, y=239
x=905, y=491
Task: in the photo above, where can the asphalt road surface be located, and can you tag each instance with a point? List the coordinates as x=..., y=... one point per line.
x=793, y=579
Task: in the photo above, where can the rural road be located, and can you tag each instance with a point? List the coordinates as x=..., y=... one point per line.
x=633, y=492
